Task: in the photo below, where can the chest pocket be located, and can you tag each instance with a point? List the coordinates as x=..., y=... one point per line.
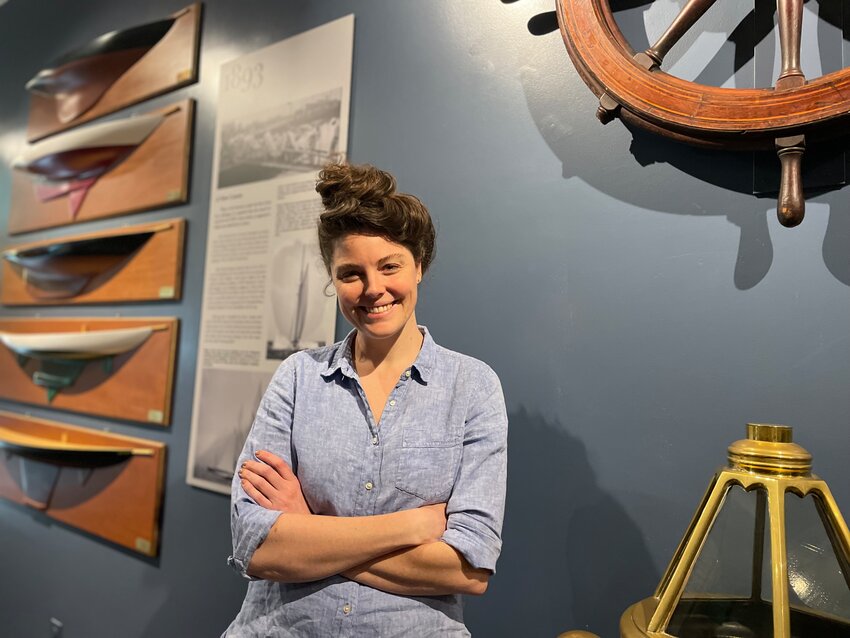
x=428, y=463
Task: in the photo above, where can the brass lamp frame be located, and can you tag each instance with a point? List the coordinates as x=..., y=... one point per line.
x=767, y=460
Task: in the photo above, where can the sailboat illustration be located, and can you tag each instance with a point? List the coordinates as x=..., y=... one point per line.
x=229, y=446
x=297, y=307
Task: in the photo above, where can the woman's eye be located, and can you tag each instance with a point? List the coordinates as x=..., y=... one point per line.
x=391, y=267
x=347, y=276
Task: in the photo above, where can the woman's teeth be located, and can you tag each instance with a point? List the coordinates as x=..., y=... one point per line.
x=376, y=310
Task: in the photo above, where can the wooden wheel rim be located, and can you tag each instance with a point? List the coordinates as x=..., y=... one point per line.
x=686, y=110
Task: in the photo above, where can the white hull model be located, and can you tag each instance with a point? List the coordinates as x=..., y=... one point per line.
x=76, y=345
x=126, y=132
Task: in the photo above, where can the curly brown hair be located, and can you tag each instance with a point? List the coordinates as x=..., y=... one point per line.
x=362, y=200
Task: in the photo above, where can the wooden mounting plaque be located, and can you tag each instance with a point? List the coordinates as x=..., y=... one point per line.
x=152, y=272
x=119, y=502
x=168, y=65
x=155, y=175
x=138, y=388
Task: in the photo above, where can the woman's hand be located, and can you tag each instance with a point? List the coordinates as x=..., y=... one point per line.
x=433, y=522
x=272, y=484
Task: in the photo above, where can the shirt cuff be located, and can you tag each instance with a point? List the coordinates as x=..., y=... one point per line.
x=478, y=551
x=250, y=530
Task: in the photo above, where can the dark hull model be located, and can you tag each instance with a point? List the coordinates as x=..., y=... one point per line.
x=78, y=79
x=64, y=269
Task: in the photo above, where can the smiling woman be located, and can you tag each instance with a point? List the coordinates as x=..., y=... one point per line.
x=372, y=485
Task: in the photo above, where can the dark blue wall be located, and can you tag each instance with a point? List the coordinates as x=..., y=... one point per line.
x=639, y=304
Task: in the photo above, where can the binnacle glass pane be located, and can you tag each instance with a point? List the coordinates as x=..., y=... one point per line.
x=729, y=590
x=818, y=590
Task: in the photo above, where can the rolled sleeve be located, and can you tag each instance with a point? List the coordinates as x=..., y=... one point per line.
x=250, y=523
x=476, y=507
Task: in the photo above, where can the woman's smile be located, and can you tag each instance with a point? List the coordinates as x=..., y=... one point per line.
x=376, y=286
x=378, y=310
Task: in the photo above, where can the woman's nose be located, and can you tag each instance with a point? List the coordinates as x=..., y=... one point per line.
x=373, y=286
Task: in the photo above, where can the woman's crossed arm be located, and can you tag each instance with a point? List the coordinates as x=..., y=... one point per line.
x=397, y=552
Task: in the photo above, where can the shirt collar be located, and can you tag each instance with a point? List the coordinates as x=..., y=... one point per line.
x=343, y=361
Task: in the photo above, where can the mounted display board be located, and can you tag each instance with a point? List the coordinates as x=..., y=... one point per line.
x=114, y=71
x=118, y=368
x=105, y=484
x=152, y=173
x=283, y=113
x=134, y=263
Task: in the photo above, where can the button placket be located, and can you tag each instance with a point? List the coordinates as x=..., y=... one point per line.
x=373, y=465
x=399, y=388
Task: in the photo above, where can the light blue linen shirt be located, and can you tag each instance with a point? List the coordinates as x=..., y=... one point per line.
x=442, y=438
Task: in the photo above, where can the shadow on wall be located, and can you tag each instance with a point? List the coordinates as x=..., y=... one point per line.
x=572, y=558
x=555, y=97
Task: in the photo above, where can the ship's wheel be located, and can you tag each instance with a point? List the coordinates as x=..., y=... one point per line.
x=633, y=87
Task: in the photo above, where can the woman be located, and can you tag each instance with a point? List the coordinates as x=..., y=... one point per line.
x=372, y=485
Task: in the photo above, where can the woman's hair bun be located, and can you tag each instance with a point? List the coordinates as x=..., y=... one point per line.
x=346, y=187
x=363, y=200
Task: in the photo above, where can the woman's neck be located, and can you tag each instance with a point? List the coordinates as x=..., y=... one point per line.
x=398, y=351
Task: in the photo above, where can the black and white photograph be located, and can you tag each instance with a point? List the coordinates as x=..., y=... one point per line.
x=284, y=139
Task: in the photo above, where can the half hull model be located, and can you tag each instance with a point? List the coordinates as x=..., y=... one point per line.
x=113, y=71
x=78, y=79
x=106, y=484
x=70, y=164
x=64, y=355
x=64, y=269
x=137, y=263
x=106, y=169
x=119, y=368
x=62, y=452
x=76, y=345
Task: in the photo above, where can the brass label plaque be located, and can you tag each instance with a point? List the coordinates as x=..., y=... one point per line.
x=143, y=545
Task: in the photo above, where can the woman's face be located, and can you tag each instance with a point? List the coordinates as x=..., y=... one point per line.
x=376, y=282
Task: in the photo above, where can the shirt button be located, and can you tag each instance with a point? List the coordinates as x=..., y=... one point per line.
x=407, y=373
x=375, y=440
x=368, y=485
x=346, y=608
x=392, y=402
